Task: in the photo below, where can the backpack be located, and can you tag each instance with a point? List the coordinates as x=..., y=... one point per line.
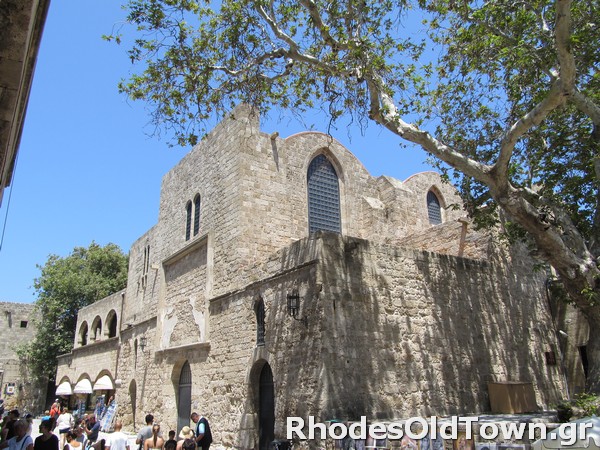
x=54, y=412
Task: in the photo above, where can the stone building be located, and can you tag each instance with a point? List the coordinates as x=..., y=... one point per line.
x=282, y=279
x=19, y=389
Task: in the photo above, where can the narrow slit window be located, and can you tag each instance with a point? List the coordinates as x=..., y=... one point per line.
x=260, y=322
x=188, y=221
x=196, y=214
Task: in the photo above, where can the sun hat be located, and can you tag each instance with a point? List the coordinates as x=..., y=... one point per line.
x=186, y=433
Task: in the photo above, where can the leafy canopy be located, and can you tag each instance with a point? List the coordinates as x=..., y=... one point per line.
x=65, y=285
x=503, y=95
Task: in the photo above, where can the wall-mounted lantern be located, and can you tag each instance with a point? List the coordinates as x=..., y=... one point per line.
x=142, y=343
x=293, y=307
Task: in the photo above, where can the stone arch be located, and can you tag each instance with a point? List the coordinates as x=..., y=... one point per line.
x=96, y=329
x=333, y=159
x=65, y=378
x=104, y=372
x=111, y=324
x=108, y=391
x=83, y=376
x=262, y=399
x=83, y=334
x=181, y=377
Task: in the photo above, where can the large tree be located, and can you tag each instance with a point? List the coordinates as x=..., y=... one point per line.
x=65, y=285
x=503, y=94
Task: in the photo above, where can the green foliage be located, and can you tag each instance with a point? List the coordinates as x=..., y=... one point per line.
x=67, y=284
x=588, y=403
x=200, y=60
x=499, y=62
x=470, y=72
x=564, y=411
x=582, y=405
x=504, y=95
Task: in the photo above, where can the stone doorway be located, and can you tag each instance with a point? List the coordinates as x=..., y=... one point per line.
x=184, y=397
x=266, y=407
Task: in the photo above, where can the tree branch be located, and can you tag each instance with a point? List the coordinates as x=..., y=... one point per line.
x=556, y=97
x=279, y=33
x=321, y=26
x=561, y=88
x=384, y=111
x=587, y=106
x=562, y=37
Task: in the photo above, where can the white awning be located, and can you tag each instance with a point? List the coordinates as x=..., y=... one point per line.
x=104, y=383
x=64, y=388
x=83, y=387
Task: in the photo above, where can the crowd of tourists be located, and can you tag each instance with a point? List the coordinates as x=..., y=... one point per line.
x=150, y=438
x=60, y=430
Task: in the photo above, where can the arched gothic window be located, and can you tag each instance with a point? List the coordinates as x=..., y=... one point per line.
x=433, y=209
x=323, y=196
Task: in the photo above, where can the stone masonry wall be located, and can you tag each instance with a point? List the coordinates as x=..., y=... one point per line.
x=430, y=330
x=183, y=319
x=211, y=169
x=391, y=333
x=450, y=238
x=144, y=278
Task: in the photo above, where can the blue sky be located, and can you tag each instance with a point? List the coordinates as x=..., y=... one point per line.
x=87, y=170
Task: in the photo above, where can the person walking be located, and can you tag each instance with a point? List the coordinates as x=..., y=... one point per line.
x=154, y=442
x=118, y=439
x=92, y=429
x=55, y=409
x=145, y=432
x=47, y=440
x=203, y=433
x=64, y=423
x=8, y=430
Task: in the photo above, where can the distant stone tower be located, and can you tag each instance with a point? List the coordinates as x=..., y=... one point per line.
x=19, y=389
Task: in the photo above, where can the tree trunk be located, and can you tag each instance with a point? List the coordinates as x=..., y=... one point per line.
x=593, y=353
x=591, y=310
